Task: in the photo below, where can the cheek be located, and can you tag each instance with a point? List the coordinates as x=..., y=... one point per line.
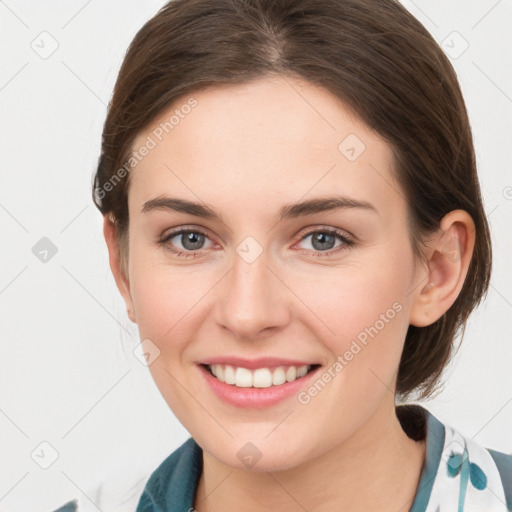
x=347, y=300
x=164, y=295
x=165, y=300
x=360, y=314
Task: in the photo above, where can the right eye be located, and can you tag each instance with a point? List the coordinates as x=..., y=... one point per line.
x=191, y=241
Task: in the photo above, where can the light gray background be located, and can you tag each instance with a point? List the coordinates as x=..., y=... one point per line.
x=68, y=375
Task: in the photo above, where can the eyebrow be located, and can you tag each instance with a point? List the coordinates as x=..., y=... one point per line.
x=288, y=211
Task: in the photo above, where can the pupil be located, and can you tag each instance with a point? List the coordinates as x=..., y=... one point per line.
x=195, y=239
x=323, y=238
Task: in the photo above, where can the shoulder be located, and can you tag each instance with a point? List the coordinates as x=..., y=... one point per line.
x=175, y=478
x=171, y=467
x=458, y=473
x=485, y=474
x=503, y=463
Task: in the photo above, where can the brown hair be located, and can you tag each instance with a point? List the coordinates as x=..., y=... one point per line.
x=373, y=55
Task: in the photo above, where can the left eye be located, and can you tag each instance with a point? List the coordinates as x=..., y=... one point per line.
x=323, y=240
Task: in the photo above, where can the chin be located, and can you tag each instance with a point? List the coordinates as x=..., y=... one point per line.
x=259, y=455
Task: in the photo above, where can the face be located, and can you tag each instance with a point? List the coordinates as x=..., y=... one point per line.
x=262, y=284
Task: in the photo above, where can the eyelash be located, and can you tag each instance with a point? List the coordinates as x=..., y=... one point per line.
x=341, y=236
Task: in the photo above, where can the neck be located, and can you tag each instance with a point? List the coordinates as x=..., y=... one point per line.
x=377, y=468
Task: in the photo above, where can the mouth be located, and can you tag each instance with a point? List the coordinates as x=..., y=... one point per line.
x=263, y=377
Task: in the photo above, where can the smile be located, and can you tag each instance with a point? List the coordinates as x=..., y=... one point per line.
x=257, y=382
x=257, y=378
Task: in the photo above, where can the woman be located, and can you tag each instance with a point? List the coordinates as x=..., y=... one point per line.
x=294, y=219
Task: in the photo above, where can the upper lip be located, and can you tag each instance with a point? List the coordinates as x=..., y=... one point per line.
x=260, y=362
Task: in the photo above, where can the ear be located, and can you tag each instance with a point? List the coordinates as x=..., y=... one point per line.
x=122, y=282
x=448, y=257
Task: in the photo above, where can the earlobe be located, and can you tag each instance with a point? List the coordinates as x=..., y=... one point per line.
x=122, y=281
x=448, y=262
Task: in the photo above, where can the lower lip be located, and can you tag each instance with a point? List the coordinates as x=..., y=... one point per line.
x=255, y=397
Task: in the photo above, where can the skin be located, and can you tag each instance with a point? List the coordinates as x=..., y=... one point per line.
x=246, y=151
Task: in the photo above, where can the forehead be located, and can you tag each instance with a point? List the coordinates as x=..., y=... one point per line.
x=276, y=139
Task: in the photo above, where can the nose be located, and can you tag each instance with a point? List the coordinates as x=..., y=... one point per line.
x=254, y=301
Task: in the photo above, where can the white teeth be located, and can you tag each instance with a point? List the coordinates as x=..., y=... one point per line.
x=302, y=370
x=291, y=373
x=278, y=377
x=262, y=378
x=243, y=378
x=229, y=375
x=259, y=378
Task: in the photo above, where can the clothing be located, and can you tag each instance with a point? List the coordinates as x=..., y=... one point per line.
x=71, y=506
x=458, y=475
